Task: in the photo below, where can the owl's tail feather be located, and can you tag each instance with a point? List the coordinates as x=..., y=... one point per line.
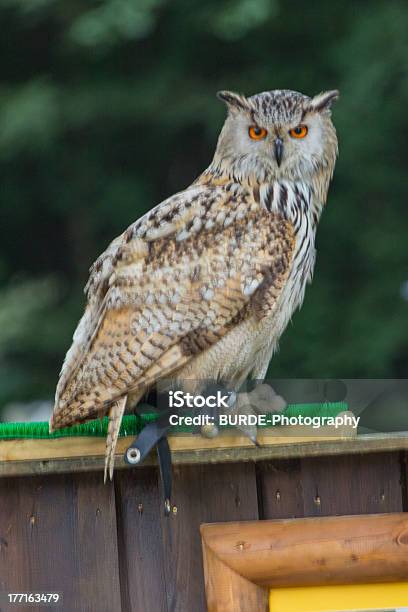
x=115, y=418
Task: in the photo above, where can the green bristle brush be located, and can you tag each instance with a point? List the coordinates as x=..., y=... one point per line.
x=133, y=424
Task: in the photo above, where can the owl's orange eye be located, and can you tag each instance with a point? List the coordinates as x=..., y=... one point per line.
x=299, y=132
x=257, y=133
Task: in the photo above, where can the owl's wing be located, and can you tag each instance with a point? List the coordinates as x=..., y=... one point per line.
x=172, y=285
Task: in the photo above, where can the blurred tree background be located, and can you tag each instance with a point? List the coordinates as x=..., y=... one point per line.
x=108, y=107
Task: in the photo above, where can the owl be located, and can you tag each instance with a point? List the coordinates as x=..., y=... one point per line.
x=204, y=284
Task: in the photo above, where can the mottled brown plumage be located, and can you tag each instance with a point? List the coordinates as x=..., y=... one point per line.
x=204, y=284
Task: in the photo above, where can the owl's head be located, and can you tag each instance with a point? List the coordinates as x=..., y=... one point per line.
x=278, y=134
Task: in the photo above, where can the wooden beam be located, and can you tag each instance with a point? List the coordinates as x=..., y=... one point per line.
x=81, y=446
x=307, y=552
x=24, y=457
x=227, y=591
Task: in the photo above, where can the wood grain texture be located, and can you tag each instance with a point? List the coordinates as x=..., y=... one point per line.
x=58, y=534
x=28, y=449
x=356, y=484
x=201, y=494
x=143, y=583
x=280, y=489
x=227, y=591
x=324, y=486
x=37, y=523
x=305, y=552
x=404, y=480
x=95, y=542
x=27, y=457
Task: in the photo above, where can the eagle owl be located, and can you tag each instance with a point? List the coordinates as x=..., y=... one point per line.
x=204, y=284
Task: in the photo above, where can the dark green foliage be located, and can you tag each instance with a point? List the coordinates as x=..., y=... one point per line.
x=106, y=110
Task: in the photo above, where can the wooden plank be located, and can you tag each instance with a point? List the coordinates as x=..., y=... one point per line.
x=29, y=449
x=201, y=494
x=58, y=534
x=370, y=443
x=323, y=486
x=404, y=480
x=228, y=591
x=312, y=551
x=139, y=540
x=38, y=530
x=356, y=484
x=280, y=489
x=95, y=540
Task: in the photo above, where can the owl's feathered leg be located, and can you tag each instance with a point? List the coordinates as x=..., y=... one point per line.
x=261, y=400
x=115, y=418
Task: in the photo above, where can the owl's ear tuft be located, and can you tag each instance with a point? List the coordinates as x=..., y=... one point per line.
x=324, y=100
x=234, y=101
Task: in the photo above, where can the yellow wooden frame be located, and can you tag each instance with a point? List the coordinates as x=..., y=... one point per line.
x=377, y=596
x=243, y=561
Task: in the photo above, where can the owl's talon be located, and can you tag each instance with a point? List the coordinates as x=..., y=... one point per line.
x=260, y=400
x=209, y=430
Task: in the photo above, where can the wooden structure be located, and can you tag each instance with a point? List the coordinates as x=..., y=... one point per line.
x=243, y=561
x=110, y=548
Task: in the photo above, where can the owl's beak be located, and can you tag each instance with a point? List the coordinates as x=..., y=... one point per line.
x=278, y=150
